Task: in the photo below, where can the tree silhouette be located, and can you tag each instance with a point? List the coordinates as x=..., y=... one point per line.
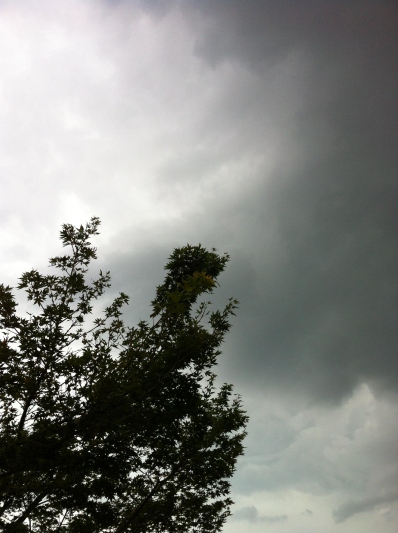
x=108, y=428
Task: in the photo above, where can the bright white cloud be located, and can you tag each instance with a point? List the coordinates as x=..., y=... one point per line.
x=112, y=104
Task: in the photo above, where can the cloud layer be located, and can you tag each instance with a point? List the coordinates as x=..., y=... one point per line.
x=265, y=129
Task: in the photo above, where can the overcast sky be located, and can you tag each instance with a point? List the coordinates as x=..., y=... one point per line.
x=266, y=129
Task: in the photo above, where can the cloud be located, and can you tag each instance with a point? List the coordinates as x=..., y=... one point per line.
x=352, y=507
x=246, y=513
x=273, y=519
x=348, y=449
x=265, y=129
x=317, y=232
x=251, y=514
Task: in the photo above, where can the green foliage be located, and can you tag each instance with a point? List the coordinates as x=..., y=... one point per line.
x=107, y=428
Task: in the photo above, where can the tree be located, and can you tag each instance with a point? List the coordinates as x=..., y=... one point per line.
x=108, y=428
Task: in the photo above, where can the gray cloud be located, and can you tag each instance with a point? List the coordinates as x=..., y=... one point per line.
x=312, y=236
x=273, y=519
x=351, y=507
x=320, y=307
x=350, y=449
x=251, y=514
x=275, y=142
x=265, y=129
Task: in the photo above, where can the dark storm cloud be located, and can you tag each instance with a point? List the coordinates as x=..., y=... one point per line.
x=268, y=130
x=313, y=236
x=258, y=33
x=313, y=239
x=320, y=309
x=319, y=290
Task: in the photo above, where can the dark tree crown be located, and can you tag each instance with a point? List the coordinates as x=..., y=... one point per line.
x=108, y=428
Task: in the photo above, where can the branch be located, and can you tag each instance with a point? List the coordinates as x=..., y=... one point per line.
x=135, y=512
x=30, y=398
x=35, y=503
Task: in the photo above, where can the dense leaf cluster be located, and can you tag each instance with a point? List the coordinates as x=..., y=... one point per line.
x=107, y=428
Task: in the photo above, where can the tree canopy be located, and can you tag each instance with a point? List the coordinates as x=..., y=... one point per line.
x=109, y=428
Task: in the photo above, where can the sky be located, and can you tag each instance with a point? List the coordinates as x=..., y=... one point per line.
x=268, y=130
